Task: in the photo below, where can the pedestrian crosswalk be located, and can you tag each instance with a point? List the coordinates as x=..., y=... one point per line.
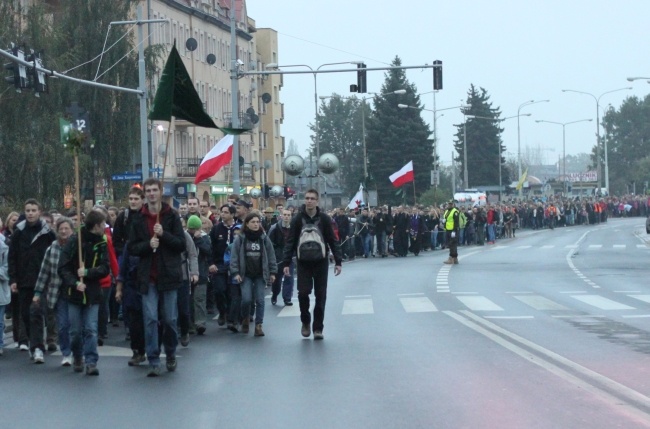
x=500, y=305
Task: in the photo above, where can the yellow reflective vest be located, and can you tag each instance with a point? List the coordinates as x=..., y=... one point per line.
x=449, y=219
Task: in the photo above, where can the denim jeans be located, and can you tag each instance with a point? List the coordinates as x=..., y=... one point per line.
x=367, y=244
x=169, y=313
x=490, y=232
x=249, y=288
x=63, y=323
x=461, y=239
x=434, y=238
x=83, y=331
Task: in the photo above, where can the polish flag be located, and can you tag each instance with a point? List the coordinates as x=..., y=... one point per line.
x=219, y=155
x=404, y=175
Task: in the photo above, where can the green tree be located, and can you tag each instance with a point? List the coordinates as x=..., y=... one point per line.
x=396, y=136
x=339, y=132
x=627, y=131
x=484, y=145
x=69, y=33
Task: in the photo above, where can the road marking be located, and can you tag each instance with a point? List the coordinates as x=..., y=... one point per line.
x=294, y=310
x=524, y=247
x=464, y=293
x=548, y=246
x=628, y=291
x=479, y=303
x=498, y=247
x=410, y=294
x=573, y=291
x=641, y=246
x=644, y=298
x=358, y=306
x=571, y=246
x=518, y=292
x=585, y=378
x=619, y=246
x=595, y=246
x=540, y=303
x=635, y=316
x=602, y=302
x=357, y=296
x=418, y=305
x=509, y=317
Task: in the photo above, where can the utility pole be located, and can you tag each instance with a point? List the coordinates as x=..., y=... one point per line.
x=234, y=88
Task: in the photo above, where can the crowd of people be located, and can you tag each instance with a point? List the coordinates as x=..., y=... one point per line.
x=159, y=271
x=164, y=272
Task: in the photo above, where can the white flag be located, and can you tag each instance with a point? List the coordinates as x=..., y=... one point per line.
x=357, y=200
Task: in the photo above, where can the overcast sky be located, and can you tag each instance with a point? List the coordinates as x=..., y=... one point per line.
x=518, y=50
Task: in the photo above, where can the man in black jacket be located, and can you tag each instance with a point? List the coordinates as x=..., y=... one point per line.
x=312, y=274
x=157, y=237
x=29, y=242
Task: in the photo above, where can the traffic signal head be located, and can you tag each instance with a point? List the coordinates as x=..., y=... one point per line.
x=437, y=75
x=361, y=79
x=37, y=79
x=17, y=72
x=266, y=191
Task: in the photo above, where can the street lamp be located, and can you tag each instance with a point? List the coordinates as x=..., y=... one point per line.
x=521, y=106
x=597, y=99
x=563, y=124
x=499, y=151
x=277, y=67
x=435, y=135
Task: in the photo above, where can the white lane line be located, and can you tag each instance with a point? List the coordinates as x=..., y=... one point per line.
x=509, y=317
x=464, y=293
x=628, y=291
x=418, y=305
x=410, y=294
x=573, y=291
x=358, y=306
x=641, y=246
x=595, y=246
x=518, y=292
x=498, y=247
x=524, y=247
x=540, y=303
x=601, y=302
x=644, y=298
x=479, y=303
x=636, y=316
x=619, y=246
x=569, y=260
x=548, y=246
x=357, y=296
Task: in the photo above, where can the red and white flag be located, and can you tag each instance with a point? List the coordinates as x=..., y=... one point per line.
x=219, y=155
x=404, y=175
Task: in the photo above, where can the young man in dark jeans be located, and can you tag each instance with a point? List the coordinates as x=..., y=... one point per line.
x=312, y=271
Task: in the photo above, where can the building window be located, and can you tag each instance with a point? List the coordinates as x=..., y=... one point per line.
x=276, y=129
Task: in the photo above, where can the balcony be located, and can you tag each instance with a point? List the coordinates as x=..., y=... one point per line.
x=245, y=121
x=187, y=167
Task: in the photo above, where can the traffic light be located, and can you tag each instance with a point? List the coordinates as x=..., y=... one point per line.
x=266, y=191
x=361, y=79
x=437, y=75
x=17, y=72
x=37, y=79
x=288, y=193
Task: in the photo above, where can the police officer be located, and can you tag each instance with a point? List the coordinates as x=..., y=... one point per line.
x=452, y=228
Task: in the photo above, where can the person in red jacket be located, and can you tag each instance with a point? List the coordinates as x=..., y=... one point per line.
x=106, y=283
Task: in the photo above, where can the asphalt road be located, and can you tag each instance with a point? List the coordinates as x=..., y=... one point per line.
x=548, y=330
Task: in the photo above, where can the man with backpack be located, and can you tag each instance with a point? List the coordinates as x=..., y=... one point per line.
x=311, y=235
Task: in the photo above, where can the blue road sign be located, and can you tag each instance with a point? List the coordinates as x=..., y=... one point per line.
x=132, y=176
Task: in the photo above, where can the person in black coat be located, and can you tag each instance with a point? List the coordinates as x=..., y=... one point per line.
x=157, y=238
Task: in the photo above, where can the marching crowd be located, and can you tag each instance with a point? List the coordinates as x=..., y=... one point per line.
x=159, y=270
x=163, y=272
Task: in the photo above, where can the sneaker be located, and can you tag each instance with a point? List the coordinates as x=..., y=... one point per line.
x=288, y=303
x=318, y=335
x=200, y=330
x=185, y=340
x=154, y=371
x=232, y=327
x=66, y=361
x=78, y=364
x=92, y=370
x=51, y=347
x=136, y=359
x=171, y=363
x=306, y=330
x=221, y=320
x=24, y=348
x=38, y=356
x=274, y=300
x=258, y=330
